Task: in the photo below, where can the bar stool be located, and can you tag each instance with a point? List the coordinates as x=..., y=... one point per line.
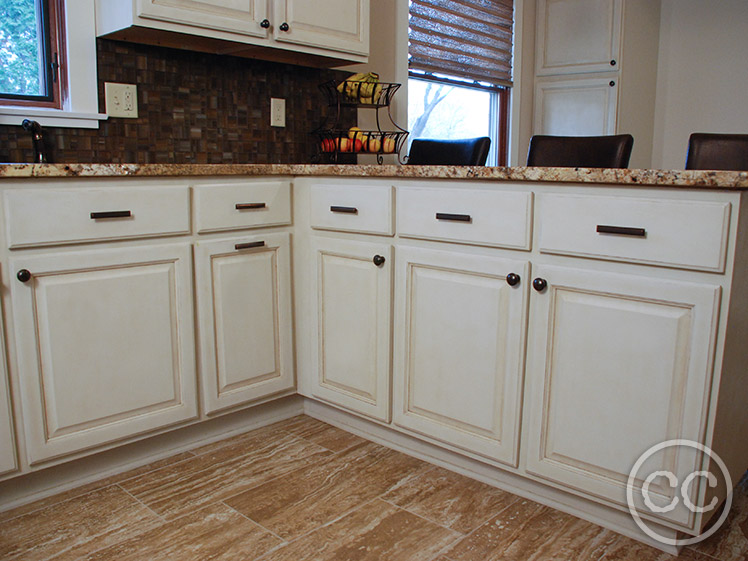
x=613, y=151
x=717, y=151
x=465, y=152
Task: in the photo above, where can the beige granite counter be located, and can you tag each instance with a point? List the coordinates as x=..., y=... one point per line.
x=648, y=177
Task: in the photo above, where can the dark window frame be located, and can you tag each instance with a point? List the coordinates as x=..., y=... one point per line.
x=53, y=38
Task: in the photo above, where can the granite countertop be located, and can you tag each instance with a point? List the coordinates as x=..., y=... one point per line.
x=646, y=177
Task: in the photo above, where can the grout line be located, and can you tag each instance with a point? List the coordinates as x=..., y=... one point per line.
x=160, y=517
x=434, y=522
x=268, y=530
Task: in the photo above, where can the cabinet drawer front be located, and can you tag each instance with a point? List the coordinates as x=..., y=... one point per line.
x=58, y=216
x=349, y=208
x=668, y=233
x=492, y=218
x=241, y=206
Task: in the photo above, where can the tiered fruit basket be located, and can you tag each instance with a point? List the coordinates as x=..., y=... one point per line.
x=334, y=141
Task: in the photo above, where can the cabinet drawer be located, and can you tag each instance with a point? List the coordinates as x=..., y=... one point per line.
x=350, y=208
x=493, y=218
x=58, y=216
x=669, y=233
x=239, y=206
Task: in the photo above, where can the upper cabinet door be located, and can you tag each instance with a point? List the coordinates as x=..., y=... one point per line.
x=339, y=25
x=235, y=16
x=576, y=107
x=575, y=36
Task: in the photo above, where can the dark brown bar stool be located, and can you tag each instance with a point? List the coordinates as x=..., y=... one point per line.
x=613, y=151
x=717, y=151
x=466, y=152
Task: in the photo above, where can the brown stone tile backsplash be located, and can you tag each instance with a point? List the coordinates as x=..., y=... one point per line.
x=193, y=108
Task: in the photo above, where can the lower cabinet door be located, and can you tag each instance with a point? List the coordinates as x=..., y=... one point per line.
x=460, y=326
x=7, y=442
x=244, y=311
x=105, y=345
x=352, y=284
x=617, y=364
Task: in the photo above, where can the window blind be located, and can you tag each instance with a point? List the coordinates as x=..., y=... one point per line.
x=469, y=39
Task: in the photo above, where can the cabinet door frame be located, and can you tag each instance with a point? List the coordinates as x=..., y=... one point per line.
x=44, y=441
x=8, y=451
x=695, y=309
x=500, y=442
x=601, y=63
x=328, y=37
x=215, y=397
x=376, y=402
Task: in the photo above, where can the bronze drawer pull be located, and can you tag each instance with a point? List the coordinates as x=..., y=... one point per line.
x=621, y=231
x=453, y=217
x=111, y=214
x=249, y=245
x=344, y=209
x=249, y=206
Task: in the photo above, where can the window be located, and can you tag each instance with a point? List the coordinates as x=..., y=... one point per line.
x=31, y=53
x=460, y=68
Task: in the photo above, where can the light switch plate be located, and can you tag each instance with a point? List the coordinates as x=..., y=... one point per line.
x=121, y=100
x=277, y=112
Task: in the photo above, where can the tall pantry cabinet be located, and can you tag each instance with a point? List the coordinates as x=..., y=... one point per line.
x=596, y=70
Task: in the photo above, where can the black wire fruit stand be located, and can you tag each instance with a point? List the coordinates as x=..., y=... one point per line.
x=334, y=141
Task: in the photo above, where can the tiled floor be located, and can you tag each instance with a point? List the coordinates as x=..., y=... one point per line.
x=303, y=490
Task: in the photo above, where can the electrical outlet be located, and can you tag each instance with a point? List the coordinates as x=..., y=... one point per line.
x=121, y=100
x=277, y=112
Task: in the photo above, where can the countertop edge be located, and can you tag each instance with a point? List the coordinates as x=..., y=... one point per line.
x=631, y=177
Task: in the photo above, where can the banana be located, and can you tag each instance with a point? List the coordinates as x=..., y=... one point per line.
x=362, y=86
x=377, y=93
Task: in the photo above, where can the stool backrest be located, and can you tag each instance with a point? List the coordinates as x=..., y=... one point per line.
x=717, y=151
x=613, y=151
x=465, y=152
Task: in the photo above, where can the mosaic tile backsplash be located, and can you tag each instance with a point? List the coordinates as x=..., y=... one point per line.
x=193, y=108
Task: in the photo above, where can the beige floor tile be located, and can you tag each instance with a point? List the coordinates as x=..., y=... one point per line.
x=320, y=433
x=223, y=473
x=730, y=542
x=84, y=489
x=318, y=493
x=377, y=531
x=450, y=499
x=527, y=531
x=217, y=533
x=626, y=549
x=73, y=528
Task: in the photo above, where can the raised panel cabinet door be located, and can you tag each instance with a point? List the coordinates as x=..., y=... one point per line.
x=352, y=315
x=338, y=25
x=105, y=344
x=576, y=107
x=244, y=319
x=459, y=333
x=617, y=364
x=7, y=442
x=574, y=36
x=235, y=16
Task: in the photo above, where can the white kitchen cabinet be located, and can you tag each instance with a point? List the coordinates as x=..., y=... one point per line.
x=8, y=461
x=351, y=285
x=576, y=107
x=617, y=363
x=244, y=318
x=576, y=36
x=104, y=344
x=338, y=25
x=459, y=333
x=337, y=30
x=595, y=73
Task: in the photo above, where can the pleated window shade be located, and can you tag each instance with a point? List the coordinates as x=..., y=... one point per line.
x=469, y=39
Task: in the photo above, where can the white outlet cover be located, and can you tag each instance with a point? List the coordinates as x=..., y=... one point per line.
x=121, y=100
x=277, y=112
